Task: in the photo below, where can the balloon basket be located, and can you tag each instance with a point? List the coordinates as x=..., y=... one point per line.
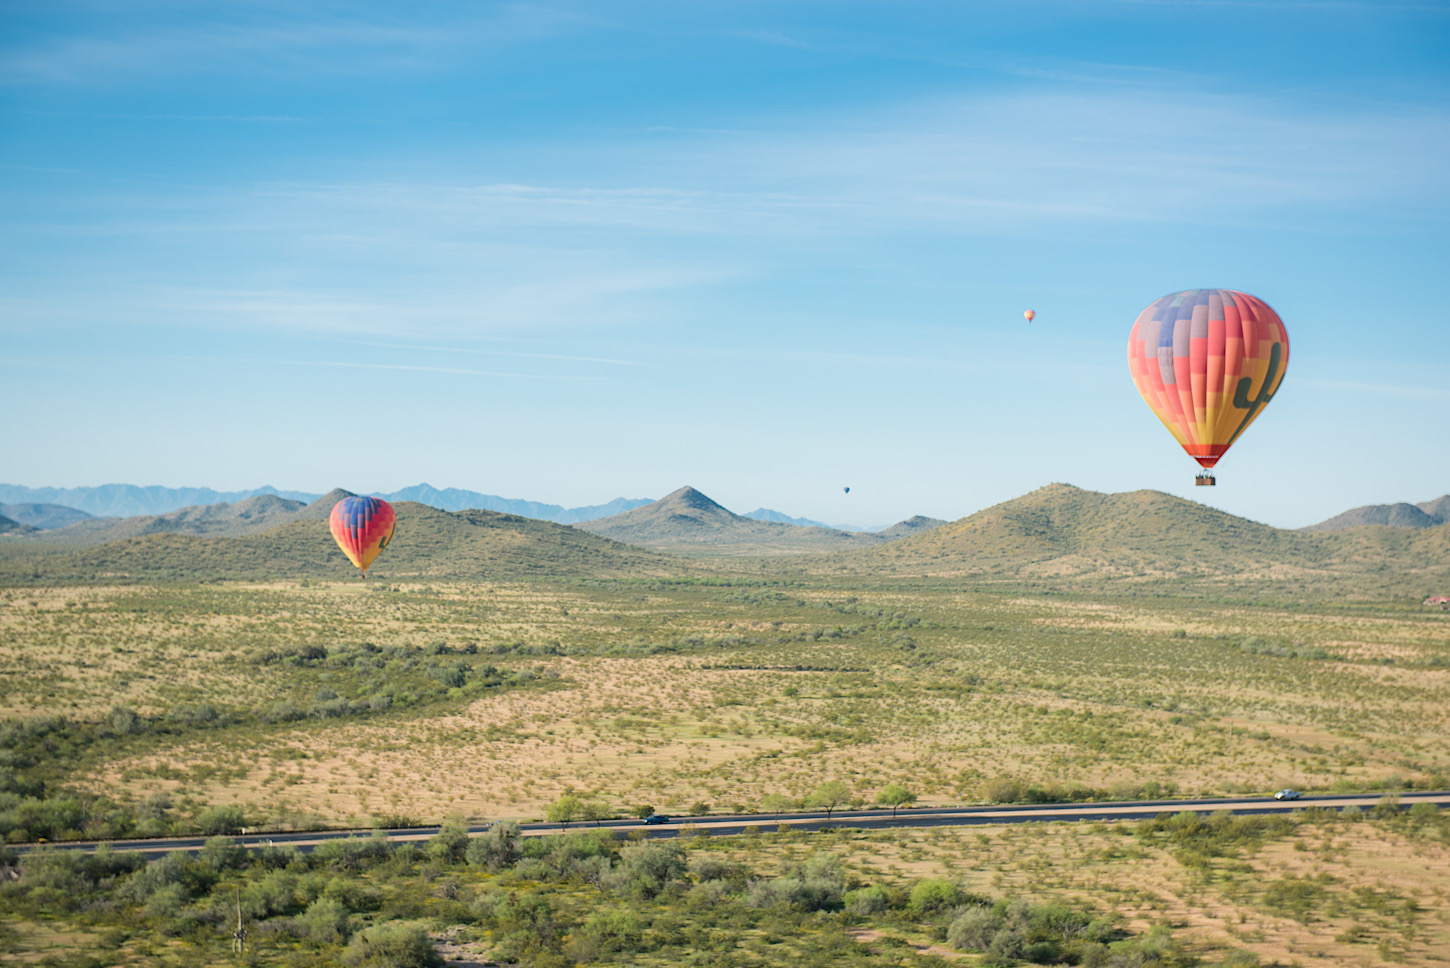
x=1205, y=479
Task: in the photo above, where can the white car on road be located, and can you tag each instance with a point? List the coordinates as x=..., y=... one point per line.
x=1287, y=795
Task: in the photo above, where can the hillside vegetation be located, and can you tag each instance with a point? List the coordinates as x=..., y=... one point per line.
x=1068, y=536
x=431, y=543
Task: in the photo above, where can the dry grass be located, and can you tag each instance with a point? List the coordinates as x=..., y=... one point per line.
x=760, y=689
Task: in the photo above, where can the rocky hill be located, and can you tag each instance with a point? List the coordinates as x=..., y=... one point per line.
x=912, y=525
x=687, y=522
x=1400, y=515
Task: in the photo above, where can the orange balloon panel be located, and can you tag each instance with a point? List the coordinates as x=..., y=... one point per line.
x=1206, y=362
x=362, y=527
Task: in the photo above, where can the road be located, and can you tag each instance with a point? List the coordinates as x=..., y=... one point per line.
x=857, y=819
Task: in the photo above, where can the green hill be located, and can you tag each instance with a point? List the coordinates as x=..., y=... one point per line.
x=429, y=543
x=1068, y=536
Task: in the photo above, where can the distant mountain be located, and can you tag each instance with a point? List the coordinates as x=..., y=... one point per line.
x=1438, y=508
x=1400, y=515
x=776, y=517
x=912, y=525
x=128, y=500
x=43, y=517
x=11, y=526
x=454, y=499
x=248, y=516
x=430, y=543
x=688, y=522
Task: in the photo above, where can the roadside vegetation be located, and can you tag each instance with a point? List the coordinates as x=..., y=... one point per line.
x=1312, y=889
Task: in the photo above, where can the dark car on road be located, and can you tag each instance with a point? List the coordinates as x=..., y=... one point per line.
x=656, y=818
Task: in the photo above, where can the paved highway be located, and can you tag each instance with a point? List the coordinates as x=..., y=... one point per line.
x=859, y=819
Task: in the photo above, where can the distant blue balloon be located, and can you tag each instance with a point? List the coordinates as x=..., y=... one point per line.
x=846, y=489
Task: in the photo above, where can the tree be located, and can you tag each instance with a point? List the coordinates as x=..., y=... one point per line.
x=565, y=810
x=895, y=795
x=776, y=803
x=829, y=795
x=643, y=810
x=596, y=811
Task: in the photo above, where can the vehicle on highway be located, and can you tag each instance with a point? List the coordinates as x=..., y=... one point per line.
x=1287, y=795
x=656, y=818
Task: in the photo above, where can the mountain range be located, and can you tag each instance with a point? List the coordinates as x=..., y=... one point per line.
x=1056, y=538
x=129, y=500
x=1400, y=515
x=690, y=523
x=684, y=522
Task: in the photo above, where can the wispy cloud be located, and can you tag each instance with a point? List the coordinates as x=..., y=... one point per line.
x=775, y=38
x=1380, y=389
x=1122, y=155
x=461, y=371
x=120, y=48
x=218, y=118
x=493, y=352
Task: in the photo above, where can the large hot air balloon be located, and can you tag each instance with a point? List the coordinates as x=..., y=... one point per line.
x=362, y=527
x=1029, y=315
x=1206, y=361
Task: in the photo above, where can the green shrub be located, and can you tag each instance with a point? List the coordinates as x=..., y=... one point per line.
x=393, y=945
x=867, y=901
x=930, y=896
x=221, y=820
x=496, y=848
x=325, y=921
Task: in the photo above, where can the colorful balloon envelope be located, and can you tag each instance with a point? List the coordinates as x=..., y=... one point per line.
x=1030, y=315
x=362, y=528
x=1206, y=362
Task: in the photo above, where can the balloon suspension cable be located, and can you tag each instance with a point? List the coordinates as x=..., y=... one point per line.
x=1204, y=478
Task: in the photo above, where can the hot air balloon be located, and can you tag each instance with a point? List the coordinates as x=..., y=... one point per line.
x=362, y=527
x=845, y=490
x=1206, y=362
x=1030, y=315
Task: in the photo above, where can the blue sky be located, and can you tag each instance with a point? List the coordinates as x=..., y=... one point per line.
x=575, y=251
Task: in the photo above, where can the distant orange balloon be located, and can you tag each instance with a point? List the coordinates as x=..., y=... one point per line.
x=1029, y=315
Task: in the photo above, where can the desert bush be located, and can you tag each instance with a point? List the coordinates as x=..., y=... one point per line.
x=326, y=921
x=497, y=848
x=393, y=945
x=646, y=870
x=220, y=820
